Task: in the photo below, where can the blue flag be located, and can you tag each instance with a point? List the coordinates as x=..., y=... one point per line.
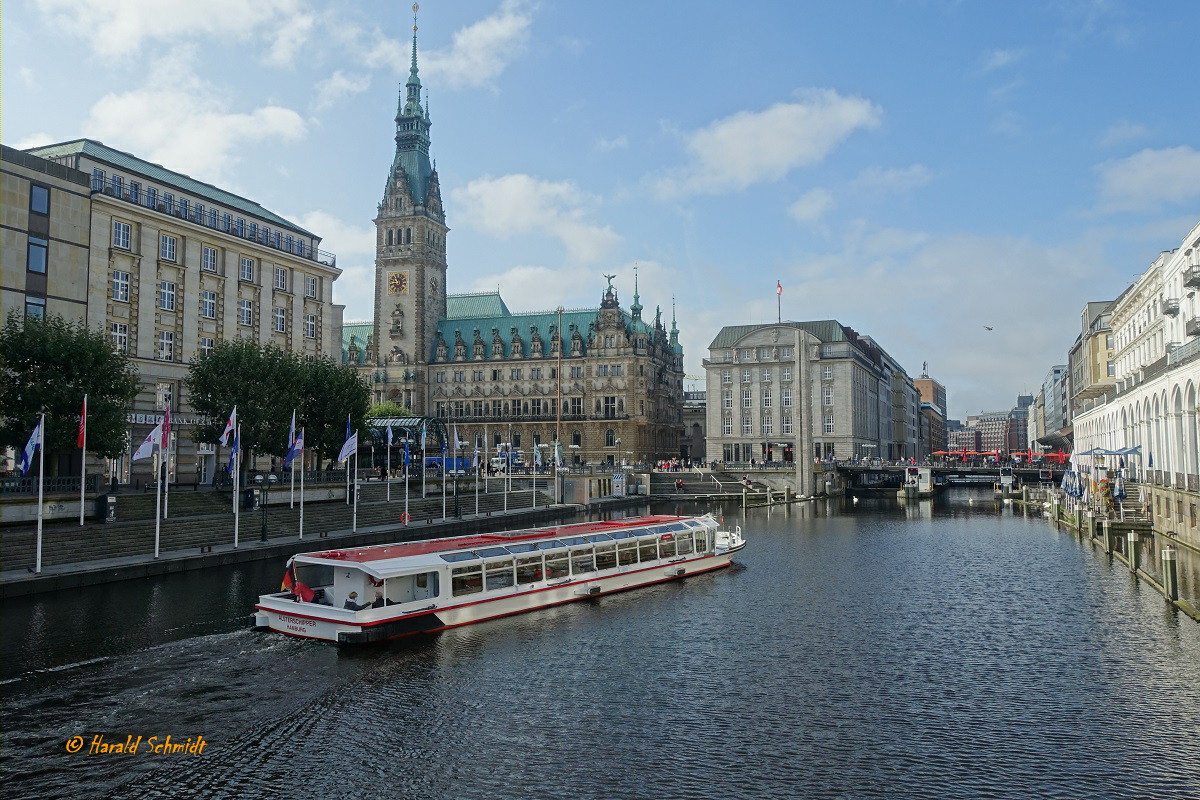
x=35, y=441
x=296, y=449
x=233, y=452
x=406, y=451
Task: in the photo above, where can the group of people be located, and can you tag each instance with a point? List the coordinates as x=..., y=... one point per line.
x=352, y=603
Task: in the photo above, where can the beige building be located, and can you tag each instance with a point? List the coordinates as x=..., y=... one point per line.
x=177, y=265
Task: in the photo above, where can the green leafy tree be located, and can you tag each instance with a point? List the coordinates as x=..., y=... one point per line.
x=388, y=409
x=265, y=382
x=48, y=365
x=332, y=391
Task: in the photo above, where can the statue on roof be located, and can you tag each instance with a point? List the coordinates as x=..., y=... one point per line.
x=610, y=280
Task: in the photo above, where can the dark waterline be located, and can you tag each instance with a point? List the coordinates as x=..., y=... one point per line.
x=872, y=652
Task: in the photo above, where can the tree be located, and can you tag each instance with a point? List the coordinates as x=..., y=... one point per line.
x=331, y=392
x=48, y=365
x=388, y=409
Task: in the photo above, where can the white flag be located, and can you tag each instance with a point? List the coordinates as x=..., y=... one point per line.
x=35, y=441
x=349, y=448
x=232, y=423
x=153, y=439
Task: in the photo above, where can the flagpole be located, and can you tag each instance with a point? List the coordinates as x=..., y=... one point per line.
x=388, y=469
x=486, y=462
x=422, y=462
x=302, y=455
x=166, y=480
x=157, y=497
x=444, y=472
x=407, y=467
x=354, y=524
x=478, y=466
x=41, y=485
x=237, y=480
x=83, y=459
x=348, y=462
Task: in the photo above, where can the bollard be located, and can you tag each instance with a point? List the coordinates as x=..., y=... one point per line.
x=768, y=495
x=1170, y=574
x=743, y=498
x=1131, y=550
x=1108, y=539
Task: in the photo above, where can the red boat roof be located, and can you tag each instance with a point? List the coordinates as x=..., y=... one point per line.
x=386, y=551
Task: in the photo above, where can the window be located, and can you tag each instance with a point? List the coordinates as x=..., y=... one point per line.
x=183, y=207
x=1112, y=369
x=166, y=296
x=576, y=372
x=727, y=398
x=768, y=427
x=766, y=375
x=310, y=326
x=766, y=397
x=828, y=427
x=439, y=376
x=746, y=398
x=610, y=438
x=477, y=375
x=616, y=370
x=208, y=305
x=726, y=376
x=785, y=352
x=166, y=346
x=208, y=259
x=827, y=372
x=39, y=199
x=227, y=221
x=120, y=235
x=118, y=185
x=1108, y=341
x=787, y=374
x=207, y=344
x=120, y=287
x=281, y=279
x=151, y=197
x=247, y=270
x=460, y=376
x=496, y=374
x=727, y=426
x=747, y=426
x=826, y=395
x=119, y=331
x=515, y=373
x=35, y=307
x=785, y=397
x=164, y=396
x=310, y=286
x=787, y=423
x=246, y=312
x=38, y=254
x=279, y=319
x=535, y=373
x=602, y=371
x=166, y=247
x=745, y=376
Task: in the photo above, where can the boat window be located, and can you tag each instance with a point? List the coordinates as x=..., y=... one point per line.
x=556, y=566
x=606, y=556
x=582, y=561
x=575, y=540
x=702, y=540
x=498, y=574
x=529, y=569
x=550, y=545
x=314, y=576
x=620, y=534
x=648, y=548
x=599, y=537
x=666, y=545
x=466, y=580
x=627, y=553
x=463, y=556
x=661, y=529
x=683, y=542
x=678, y=526
x=492, y=552
x=521, y=548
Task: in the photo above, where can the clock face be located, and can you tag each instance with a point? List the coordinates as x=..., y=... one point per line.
x=397, y=283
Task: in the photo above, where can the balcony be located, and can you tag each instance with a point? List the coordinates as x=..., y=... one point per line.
x=1170, y=307
x=1191, y=276
x=211, y=217
x=1192, y=327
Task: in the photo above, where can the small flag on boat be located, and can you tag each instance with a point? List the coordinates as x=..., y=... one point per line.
x=35, y=441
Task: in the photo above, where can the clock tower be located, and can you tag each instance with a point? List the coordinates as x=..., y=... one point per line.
x=410, y=257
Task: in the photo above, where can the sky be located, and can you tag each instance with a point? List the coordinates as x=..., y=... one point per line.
x=919, y=170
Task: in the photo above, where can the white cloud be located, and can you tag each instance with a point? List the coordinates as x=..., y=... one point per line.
x=996, y=59
x=615, y=143
x=1150, y=179
x=893, y=179
x=35, y=140
x=478, y=53
x=811, y=206
x=185, y=124
x=27, y=76
x=119, y=31
x=337, y=86
x=521, y=204
x=354, y=247
x=1123, y=131
x=750, y=147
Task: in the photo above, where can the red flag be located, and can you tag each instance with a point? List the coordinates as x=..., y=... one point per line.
x=778, y=288
x=166, y=433
x=289, y=578
x=82, y=425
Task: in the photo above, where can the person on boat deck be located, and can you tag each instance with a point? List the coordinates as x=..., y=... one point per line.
x=378, y=600
x=353, y=604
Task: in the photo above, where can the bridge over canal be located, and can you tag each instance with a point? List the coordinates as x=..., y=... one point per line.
x=886, y=476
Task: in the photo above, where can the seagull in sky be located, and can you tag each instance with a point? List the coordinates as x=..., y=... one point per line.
x=987, y=327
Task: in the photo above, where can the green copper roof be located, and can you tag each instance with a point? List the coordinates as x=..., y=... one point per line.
x=160, y=174
x=359, y=331
x=475, y=304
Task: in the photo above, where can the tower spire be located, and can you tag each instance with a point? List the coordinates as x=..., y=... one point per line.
x=412, y=104
x=636, y=308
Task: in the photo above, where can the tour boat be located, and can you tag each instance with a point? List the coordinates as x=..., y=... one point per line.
x=369, y=594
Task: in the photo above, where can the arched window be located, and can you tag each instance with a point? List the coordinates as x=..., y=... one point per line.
x=577, y=439
x=610, y=438
x=389, y=238
x=408, y=235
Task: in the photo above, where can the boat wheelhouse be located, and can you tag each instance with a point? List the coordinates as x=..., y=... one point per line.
x=375, y=593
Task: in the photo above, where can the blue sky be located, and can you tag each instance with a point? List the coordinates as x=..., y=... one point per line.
x=915, y=170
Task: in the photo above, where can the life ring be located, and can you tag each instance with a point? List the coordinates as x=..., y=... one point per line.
x=405, y=517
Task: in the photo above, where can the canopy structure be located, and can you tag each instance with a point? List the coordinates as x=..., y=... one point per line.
x=408, y=428
x=1136, y=450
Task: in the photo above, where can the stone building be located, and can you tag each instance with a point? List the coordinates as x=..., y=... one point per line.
x=813, y=388
x=695, y=425
x=933, y=409
x=604, y=382
x=175, y=265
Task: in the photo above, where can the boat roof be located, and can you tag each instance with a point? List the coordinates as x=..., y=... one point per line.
x=409, y=554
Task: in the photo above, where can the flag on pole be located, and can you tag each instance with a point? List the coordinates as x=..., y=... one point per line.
x=389, y=435
x=295, y=443
x=405, y=451
x=351, y=445
x=779, y=288
x=537, y=456
x=233, y=452
x=166, y=428
x=229, y=427
x=475, y=459
x=82, y=437
x=153, y=439
x=36, y=440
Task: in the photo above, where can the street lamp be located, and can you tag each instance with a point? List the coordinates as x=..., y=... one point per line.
x=264, y=493
x=620, y=453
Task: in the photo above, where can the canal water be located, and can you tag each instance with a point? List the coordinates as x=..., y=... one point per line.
x=865, y=650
